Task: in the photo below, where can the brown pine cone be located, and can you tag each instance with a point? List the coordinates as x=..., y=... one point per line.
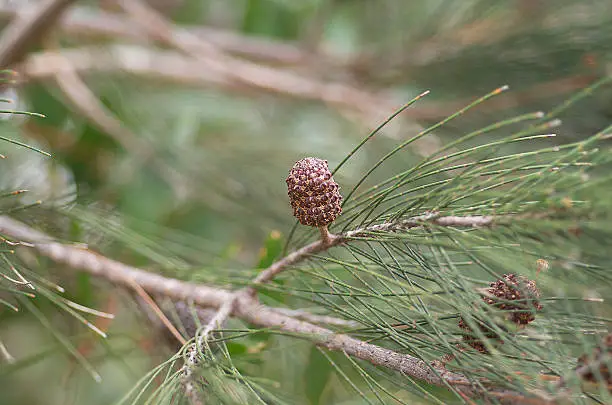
x=472, y=339
x=313, y=193
x=517, y=294
x=597, y=361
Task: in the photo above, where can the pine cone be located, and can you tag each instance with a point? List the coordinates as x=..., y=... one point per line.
x=596, y=361
x=472, y=339
x=313, y=192
x=523, y=292
x=516, y=294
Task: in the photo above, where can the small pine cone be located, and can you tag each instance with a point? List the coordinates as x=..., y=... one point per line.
x=472, y=339
x=313, y=192
x=517, y=294
x=596, y=360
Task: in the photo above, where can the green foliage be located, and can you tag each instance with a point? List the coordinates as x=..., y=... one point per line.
x=425, y=278
x=316, y=375
x=404, y=289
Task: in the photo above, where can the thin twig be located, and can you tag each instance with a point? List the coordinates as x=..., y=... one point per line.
x=5, y=354
x=224, y=312
x=27, y=28
x=296, y=257
x=335, y=240
x=188, y=379
x=317, y=319
x=473, y=221
x=326, y=237
x=175, y=67
x=86, y=103
x=192, y=361
x=78, y=257
x=81, y=22
x=248, y=73
x=158, y=312
x=249, y=309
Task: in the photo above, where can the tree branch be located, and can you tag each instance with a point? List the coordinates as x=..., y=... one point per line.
x=296, y=257
x=247, y=308
x=316, y=319
x=83, y=22
x=175, y=67
x=335, y=240
x=77, y=257
x=188, y=380
x=471, y=221
x=192, y=361
x=242, y=71
x=28, y=27
x=85, y=102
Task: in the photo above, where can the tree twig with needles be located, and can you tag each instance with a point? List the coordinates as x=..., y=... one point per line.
x=335, y=240
x=303, y=315
x=247, y=308
x=192, y=361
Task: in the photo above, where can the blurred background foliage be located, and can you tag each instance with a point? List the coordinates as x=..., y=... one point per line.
x=190, y=176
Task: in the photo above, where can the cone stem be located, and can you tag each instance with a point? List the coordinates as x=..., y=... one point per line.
x=325, y=235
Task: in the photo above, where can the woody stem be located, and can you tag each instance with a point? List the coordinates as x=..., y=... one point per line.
x=325, y=235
